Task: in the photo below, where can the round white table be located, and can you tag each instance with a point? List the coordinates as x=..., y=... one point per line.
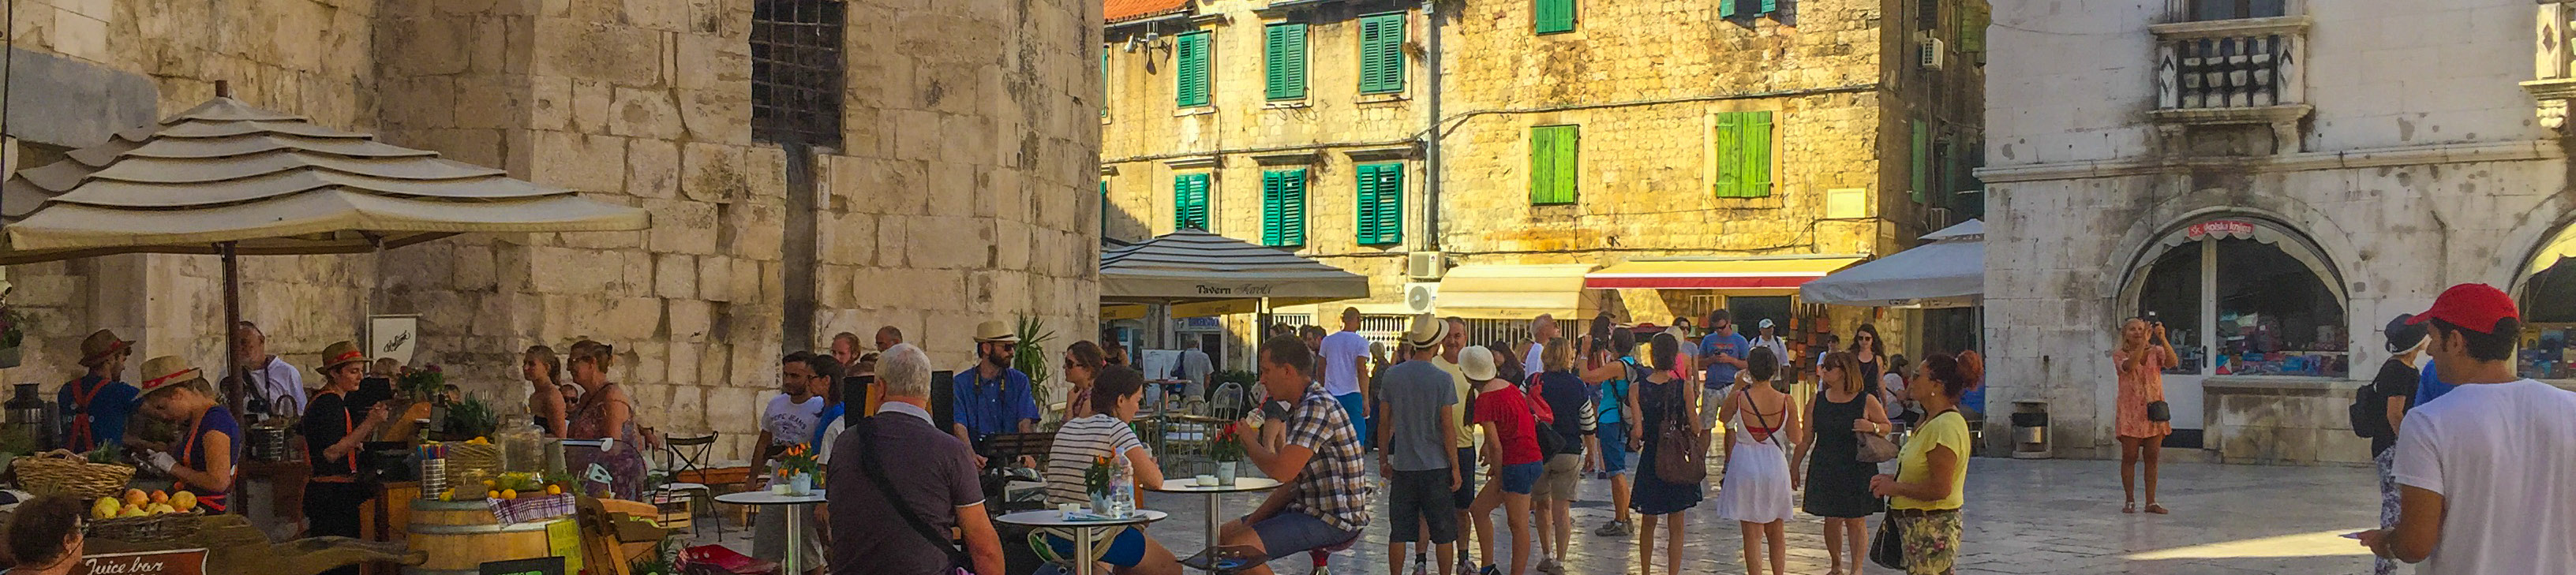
x=1215, y=505
x=1090, y=529
x=793, y=562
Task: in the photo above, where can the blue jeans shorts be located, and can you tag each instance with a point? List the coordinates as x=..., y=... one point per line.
x=1523, y=478
x=1614, y=447
x=1125, y=549
x=1291, y=533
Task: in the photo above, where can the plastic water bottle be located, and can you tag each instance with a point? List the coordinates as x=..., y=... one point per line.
x=1122, y=488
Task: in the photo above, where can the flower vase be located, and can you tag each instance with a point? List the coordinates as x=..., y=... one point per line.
x=1225, y=472
x=800, y=484
x=1100, y=504
x=10, y=356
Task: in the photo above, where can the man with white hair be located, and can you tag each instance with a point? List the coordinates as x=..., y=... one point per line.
x=889, y=519
x=1542, y=330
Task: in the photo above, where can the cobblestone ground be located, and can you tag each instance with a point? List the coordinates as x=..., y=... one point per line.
x=2023, y=517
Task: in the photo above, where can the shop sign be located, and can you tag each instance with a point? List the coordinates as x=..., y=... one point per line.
x=177, y=562
x=2222, y=228
x=537, y=566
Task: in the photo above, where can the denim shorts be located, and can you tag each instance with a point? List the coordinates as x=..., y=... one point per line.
x=1125, y=550
x=1291, y=533
x=1465, y=496
x=1614, y=448
x=1520, y=479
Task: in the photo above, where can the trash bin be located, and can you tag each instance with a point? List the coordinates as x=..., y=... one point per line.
x=2030, y=430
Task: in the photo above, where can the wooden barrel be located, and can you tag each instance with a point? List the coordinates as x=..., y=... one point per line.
x=461, y=535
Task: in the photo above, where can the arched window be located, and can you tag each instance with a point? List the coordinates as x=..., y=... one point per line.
x=2244, y=296
x=2548, y=301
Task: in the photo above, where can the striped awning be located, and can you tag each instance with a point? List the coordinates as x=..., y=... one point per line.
x=1761, y=273
x=1196, y=266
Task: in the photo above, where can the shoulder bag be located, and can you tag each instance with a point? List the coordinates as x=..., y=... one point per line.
x=1887, y=547
x=1679, y=455
x=866, y=430
x=1872, y=448
x=1543, y=422
x=2157, y=411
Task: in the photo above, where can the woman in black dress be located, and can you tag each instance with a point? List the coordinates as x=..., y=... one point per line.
x=1664, y=393
x=1839, y=492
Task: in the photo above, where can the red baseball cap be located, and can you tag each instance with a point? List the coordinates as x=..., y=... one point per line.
x=2473, y=307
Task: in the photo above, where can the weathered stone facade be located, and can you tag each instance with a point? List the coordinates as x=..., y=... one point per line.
x=1643, y=82
x=2408, y=176
x=961, y=191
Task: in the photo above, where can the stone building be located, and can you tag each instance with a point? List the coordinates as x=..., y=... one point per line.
x=2274, y=181
x=1734, y=148
x=812, y=166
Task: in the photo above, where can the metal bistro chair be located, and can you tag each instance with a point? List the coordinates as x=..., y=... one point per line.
x=687, y=455
x=1228, y=403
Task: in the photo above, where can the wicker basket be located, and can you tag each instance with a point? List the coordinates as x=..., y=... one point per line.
x=464, y=457
x=60, y=472
x=162, y=527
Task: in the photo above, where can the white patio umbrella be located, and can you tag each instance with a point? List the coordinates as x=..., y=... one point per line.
x=227, y=178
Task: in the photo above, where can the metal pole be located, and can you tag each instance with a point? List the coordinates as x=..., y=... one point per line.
x=1431, y=135
x=232, y=317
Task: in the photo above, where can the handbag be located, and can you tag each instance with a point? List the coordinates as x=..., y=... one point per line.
x=866, y=429
x=1887, y=548
x=1679, y=455
x=2157, y=411
x=1550, y=443
x=1874, y=448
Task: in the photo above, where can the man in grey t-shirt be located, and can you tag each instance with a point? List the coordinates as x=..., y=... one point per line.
x=1414, y=432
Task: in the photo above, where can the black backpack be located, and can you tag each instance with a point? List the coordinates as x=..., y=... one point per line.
x=2369, y=413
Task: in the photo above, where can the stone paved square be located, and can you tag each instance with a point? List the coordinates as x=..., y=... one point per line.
x=2023, y=517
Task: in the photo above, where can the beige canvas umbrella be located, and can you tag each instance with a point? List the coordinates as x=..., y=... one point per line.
x=227, y=178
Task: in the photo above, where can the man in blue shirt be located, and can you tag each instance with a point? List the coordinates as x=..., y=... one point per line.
x=1723, y=351
x=2429, y=385
x=993, y=398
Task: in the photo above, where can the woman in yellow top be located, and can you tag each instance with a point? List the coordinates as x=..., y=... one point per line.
x=1932, y=469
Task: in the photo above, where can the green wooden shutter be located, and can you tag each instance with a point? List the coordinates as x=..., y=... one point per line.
x=1284, y=61
x=1190, y=202
x=1554, y=16
x=1972, y=28
x=1726, y=8
x=1730, y=150
x=1553, y=165
x=1193, y=75
x=1922, y=159
x=1770, y=6
x=1283, y=208
x=1382, y=53
x=1381, y=204
x=1755, y=182
x=1104, y=208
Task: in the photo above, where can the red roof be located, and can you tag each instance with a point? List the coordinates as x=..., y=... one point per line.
x=1115, y=11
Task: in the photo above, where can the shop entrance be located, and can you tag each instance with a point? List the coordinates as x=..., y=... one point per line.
x=2238, y=297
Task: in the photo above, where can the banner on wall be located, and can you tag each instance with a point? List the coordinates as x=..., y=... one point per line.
x=393, y=336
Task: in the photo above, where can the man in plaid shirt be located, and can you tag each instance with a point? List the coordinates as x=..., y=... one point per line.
x=1324, y=501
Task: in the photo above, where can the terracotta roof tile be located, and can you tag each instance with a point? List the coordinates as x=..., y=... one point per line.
x=1115, y=11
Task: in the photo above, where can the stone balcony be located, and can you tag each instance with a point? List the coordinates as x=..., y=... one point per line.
x=2553, y=62
x=2229, y=72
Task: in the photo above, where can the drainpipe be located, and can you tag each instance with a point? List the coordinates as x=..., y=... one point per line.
x=1431, y=135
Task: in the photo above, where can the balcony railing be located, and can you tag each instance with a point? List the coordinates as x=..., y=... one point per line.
x=2554, y=62
x=2244, y=64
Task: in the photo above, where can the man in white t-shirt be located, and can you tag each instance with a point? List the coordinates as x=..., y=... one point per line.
x=1542, y=330
x=2487, y=474
x=1345, y=359
x=789, y=420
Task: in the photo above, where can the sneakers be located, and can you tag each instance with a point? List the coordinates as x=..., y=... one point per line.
x=1616, y=529
x=1548, y=565
x=1489, y=570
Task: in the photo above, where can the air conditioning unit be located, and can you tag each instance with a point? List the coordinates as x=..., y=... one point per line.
x=1933, y=53
x=1421, y=297
x=1425, y=265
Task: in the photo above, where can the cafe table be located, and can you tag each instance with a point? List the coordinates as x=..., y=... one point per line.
x=1215, y=494
x=793, y=560
x=1089, y=529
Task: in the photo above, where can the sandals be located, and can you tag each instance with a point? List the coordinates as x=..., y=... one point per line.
x=2156, y=509
x=2130, y=507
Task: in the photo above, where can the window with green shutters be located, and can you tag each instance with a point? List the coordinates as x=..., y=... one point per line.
x=1192, y=79
x=1283, y=208
x=1554, y=16
x=1382, y=53
x=1552, y=164
x=1922, y=159
x=1743, y=154
x=1190, y=202
x=1283, y=56
x=1733, y=8
x=1381, y=204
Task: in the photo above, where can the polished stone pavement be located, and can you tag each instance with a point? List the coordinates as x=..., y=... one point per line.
x=2023, y=517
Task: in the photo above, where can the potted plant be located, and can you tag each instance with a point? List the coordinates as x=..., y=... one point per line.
x=796, y=469
x=1096, y=483
x=1228, y=452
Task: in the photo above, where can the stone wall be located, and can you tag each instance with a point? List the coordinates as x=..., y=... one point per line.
x=137, y=61
x=2408, y=178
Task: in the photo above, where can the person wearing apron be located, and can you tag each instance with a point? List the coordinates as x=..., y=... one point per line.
x=335, y=428
x=203, y=459
x=95, y=407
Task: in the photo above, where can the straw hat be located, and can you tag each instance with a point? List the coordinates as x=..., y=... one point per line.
x=1427, y=331
x=1477, y=363
x=995, y=332
x=339, y=354
x=168, y=372
x=100, y=346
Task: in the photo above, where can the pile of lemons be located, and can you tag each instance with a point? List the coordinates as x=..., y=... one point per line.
x=136, y=503
x=511, y=485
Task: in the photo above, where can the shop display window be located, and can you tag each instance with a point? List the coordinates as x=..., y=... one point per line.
x=2549, y=314
x=2234, y=302
x=2172, y=295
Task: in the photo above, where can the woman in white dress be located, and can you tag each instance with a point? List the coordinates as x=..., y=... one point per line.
x=1757, y=491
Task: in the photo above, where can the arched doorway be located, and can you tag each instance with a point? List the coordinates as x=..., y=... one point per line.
x=2240, y=296
x=2547, y=295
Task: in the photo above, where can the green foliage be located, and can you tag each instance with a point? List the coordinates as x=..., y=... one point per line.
x=109, y=453
x=470, y=418
x=1032, y=358
x=422, y=384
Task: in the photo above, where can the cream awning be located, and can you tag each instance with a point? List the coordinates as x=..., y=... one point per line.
x=1516, y=291
x=1949, y=272
x=271, y=183
x=1195, y=266
x=1739, y=276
